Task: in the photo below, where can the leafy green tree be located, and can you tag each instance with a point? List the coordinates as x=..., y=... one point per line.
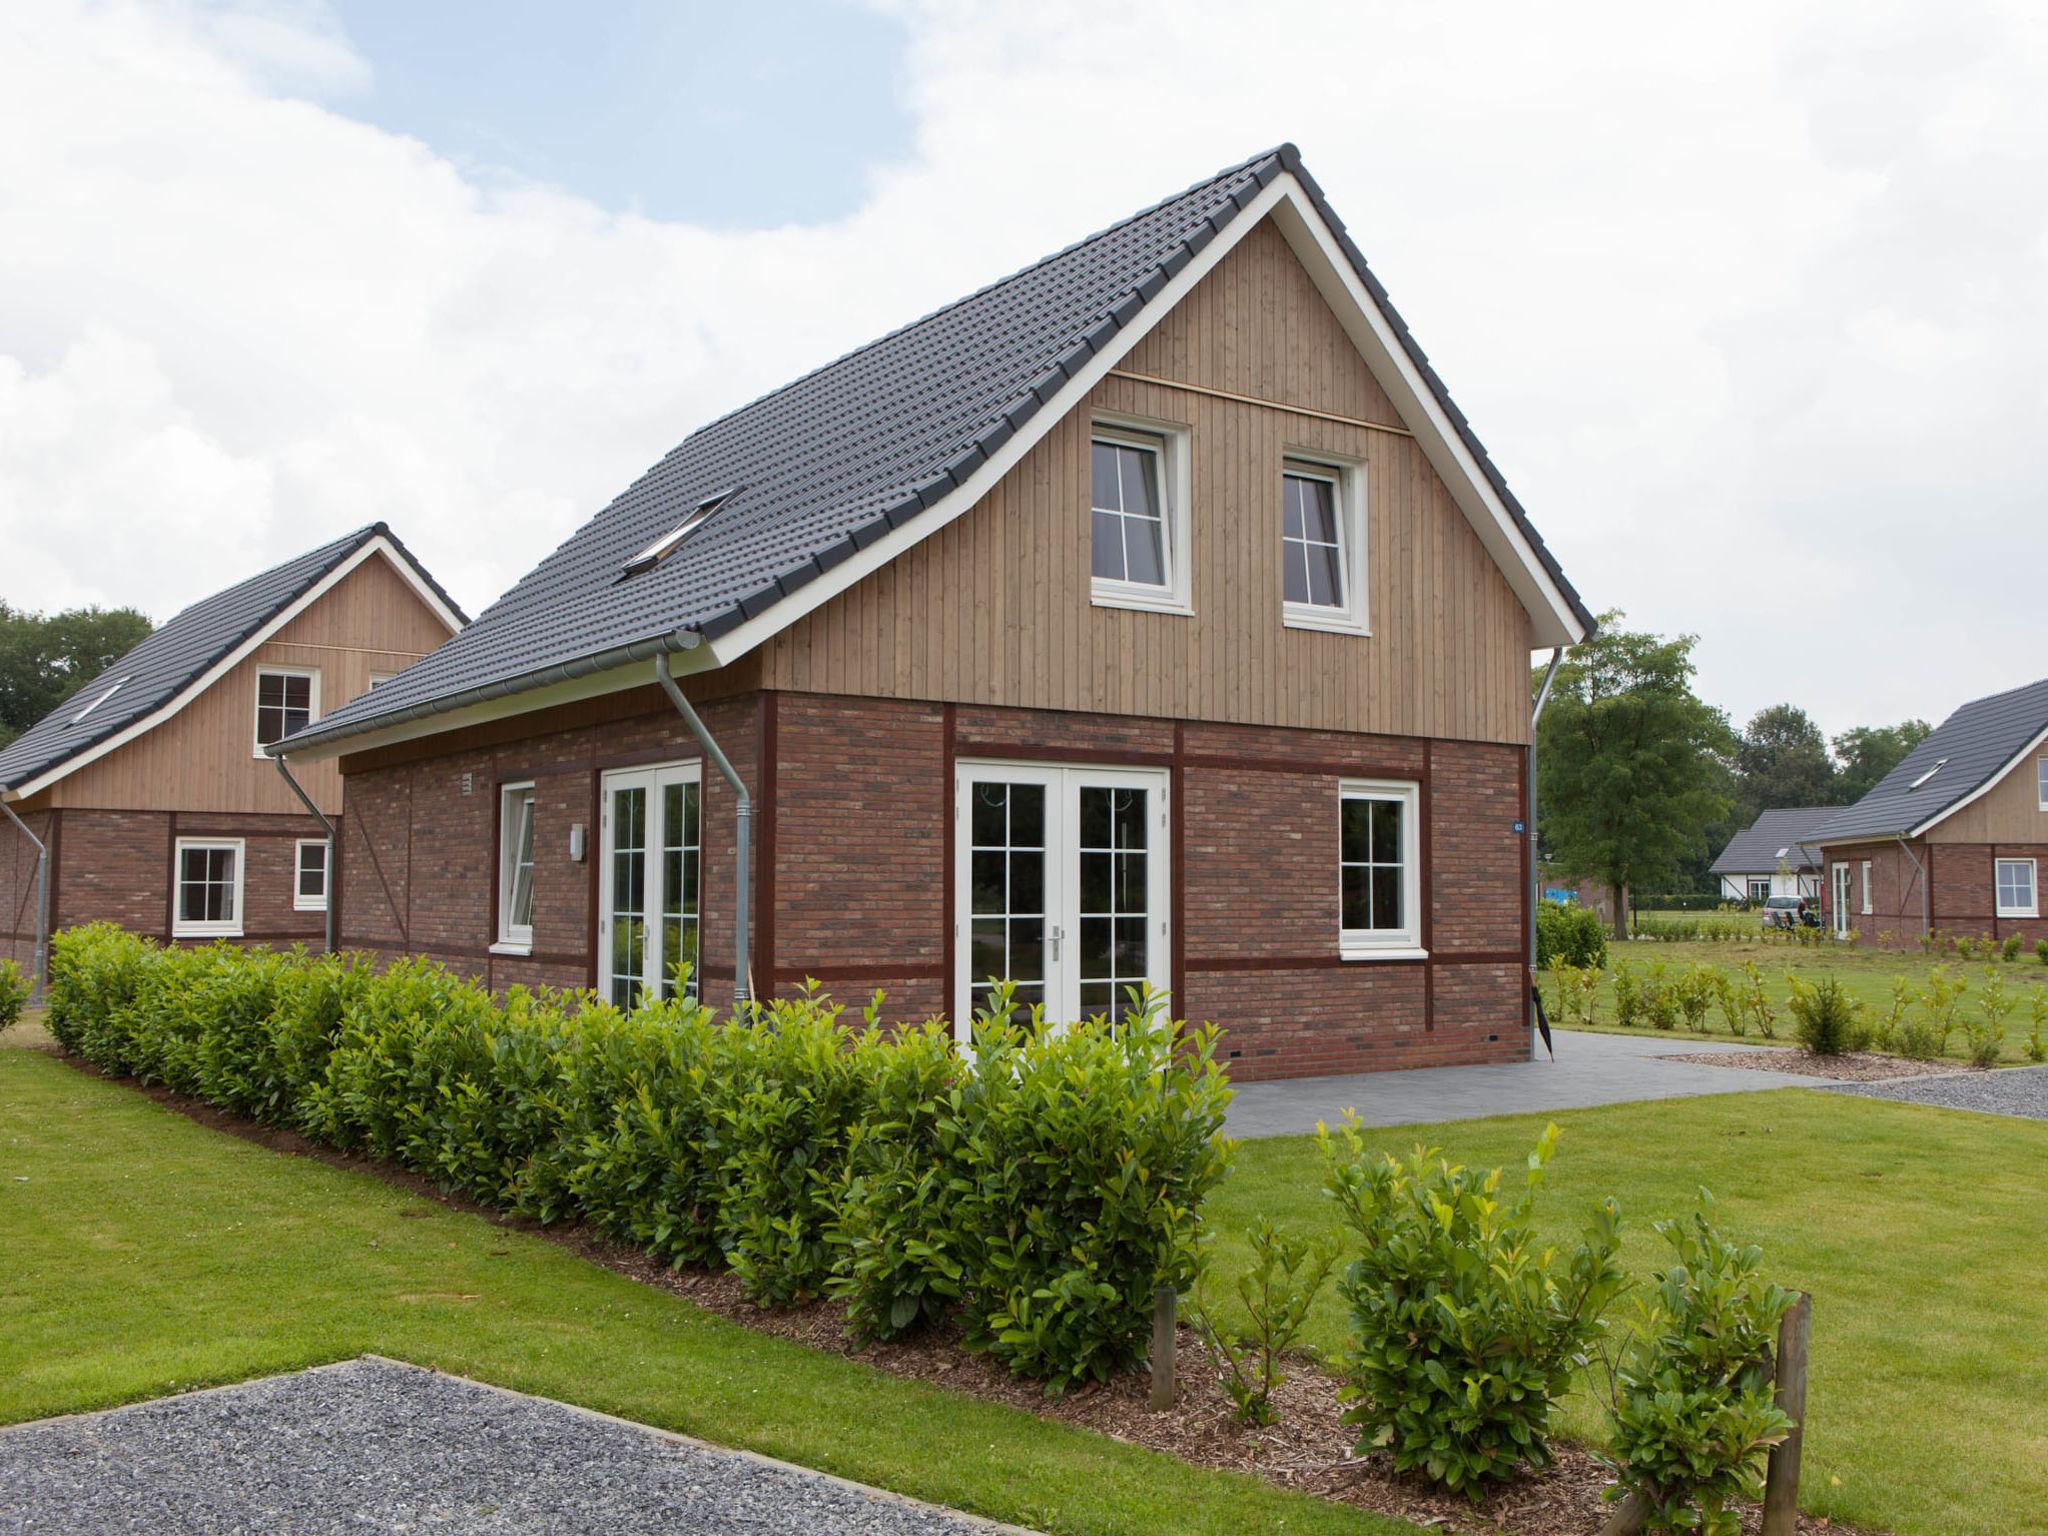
x=45, y=658
x=1631, y=760
x=1783, y=760
x=1869, y=752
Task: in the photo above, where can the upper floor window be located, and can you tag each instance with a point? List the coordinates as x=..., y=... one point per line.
x=2041, y=780
x=1379, y=870
x=1322, y=546
x=515, y=866
x=287, y=700
x=1138, y=517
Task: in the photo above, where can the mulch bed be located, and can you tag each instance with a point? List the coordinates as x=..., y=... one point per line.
x=1310, y=1450
x=1852, y=1067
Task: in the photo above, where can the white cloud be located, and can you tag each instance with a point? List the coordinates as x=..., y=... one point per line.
x=1748, y=302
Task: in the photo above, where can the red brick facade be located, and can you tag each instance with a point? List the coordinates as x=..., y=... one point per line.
x=116, y=866
x=1952, y=881
x=854, y=860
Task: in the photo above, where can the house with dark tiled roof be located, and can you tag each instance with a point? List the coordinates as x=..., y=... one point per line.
x=1150, y=617
x=1952, y=840
x=147, y=798
x=1770, y=856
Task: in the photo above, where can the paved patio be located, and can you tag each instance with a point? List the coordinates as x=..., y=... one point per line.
x=1590, y=1069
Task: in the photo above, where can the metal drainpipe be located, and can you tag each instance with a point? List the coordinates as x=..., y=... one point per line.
x=743, y=817
x=1535, y=878
x=1926, y=894
x=326, y=826
x=42, y=898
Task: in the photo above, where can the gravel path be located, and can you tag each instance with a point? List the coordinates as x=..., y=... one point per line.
x=2021, y=1091
x=375, y=1446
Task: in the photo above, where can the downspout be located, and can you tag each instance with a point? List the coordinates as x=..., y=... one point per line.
x=42, y=898
x=325, y=826
x=1926, y=892
x=1535, y=878
x=743, y=822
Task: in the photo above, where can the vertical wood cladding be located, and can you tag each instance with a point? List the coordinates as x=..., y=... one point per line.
x=995, y=608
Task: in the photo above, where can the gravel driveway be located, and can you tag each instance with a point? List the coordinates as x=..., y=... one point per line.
x=374, y=1446
x=2021, y=1091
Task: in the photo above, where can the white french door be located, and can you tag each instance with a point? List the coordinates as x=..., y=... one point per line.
x=1062, y=882
x=649, y=882
x=1841, y=901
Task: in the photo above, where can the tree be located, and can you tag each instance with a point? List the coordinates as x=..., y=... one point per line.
x=1630, y=760
x=1869, y=752
x=1783, y=760
x=45, y=658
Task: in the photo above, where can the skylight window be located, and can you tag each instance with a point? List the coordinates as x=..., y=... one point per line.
x=651, y=556
x=79, y=718
x=1930, y=773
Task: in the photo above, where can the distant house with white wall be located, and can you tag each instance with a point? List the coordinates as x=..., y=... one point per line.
x=1771, y=857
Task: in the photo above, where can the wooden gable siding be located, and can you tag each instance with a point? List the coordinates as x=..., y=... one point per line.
x=2010, y=812
x=204, y=757
x=995, y=607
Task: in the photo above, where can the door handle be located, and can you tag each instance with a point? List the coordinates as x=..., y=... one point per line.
x=1057, y=935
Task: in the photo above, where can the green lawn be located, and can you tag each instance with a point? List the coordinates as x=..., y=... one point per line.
x=1921, y=1233
x=1866, y=974
x=144, y=1254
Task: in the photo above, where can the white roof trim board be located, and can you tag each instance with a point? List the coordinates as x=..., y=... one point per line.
x=524, y=654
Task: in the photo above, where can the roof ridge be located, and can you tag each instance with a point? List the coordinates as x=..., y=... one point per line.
x=354, y=536
x=950, y=305
x=1989, y=698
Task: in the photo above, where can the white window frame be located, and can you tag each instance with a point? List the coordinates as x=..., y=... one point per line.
x=1404, y=943
x=652, y=779
x=1866, y=887
x=98, y=700
x=513, y=938
x=2033, y=906
x=379, y=679
x=301, y=902
x=1751, y=882
x=2041, y=780
x=1348, y=477
x=1170, y=440
x=256, y=711
x=230, y=928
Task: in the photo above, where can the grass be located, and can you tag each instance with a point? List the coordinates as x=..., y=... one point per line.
x=1919, y=1232
x=146, y=1254
x=1866, y=974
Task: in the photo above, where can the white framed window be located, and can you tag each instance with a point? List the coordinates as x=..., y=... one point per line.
x=2016, y=894
x=1866, y=887
x=651, y=883
x=379, y=679
x=1322, y=546
x=515, y=869
x=287, y=700
x=1379, y=870
x=1138, y=518
x=98, y=699
x=206, y=888
x=652, y=555
x=2041, y=780
x=309, y=875
x=1759, y=888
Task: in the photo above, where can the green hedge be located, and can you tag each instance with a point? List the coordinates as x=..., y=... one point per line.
x=1042, y=1186
x=1572, y=934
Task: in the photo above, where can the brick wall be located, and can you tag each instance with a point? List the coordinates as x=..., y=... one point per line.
x=854, y=851
x=18, y=886
x=1964, y=898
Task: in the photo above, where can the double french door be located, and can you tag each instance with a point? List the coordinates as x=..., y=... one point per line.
x=1841, y=892
x=650, y=881
x=1062, y=886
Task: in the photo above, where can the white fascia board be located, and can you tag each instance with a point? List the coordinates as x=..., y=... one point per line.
x=1996, y=779
x=1314, y=243
x=241, y=653
x=736, y=642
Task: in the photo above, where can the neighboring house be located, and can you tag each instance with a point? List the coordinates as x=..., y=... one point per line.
x=1150, y=615
x=1952, y=841
x=150, y=786
x=1770, y=857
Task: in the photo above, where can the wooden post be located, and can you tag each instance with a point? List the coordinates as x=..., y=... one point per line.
x=1165, y=1303
x=1781, y=1480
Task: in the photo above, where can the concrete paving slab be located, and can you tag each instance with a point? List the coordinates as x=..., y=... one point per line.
x=1590, y=1069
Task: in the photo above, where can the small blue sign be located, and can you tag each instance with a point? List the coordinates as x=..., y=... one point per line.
x=1521, y=827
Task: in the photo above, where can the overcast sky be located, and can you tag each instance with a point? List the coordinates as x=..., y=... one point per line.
x=1749, y=302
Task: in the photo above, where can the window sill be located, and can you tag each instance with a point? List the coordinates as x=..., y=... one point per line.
x=1329, y=620
x=207, y=933
x=1356, y=952
x=299, y=906
x=1140, y=600
x=509, y=947
x=2027, y=912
